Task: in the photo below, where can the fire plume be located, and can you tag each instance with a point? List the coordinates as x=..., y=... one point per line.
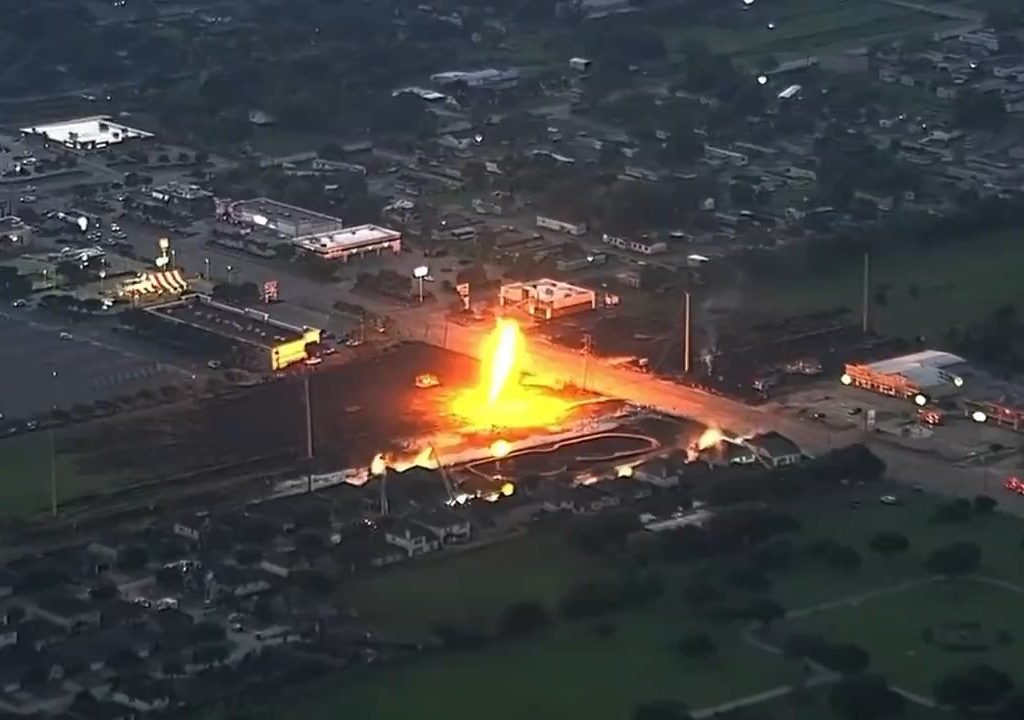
x=500, y=399
x=501, y=358
x=711, y=437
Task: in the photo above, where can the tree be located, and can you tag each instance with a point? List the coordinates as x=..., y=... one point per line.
x=799, y=646
x=315, y=581
x=750, y=579
x=169, y=578
x=890, y=543
x=661, y=710
x=979, y=111
x=956, y=560
x=865, y=697
x=984, y=504
x=474, y=172
x=957, y=510
x=844, y=659
x=979, y=686
x=700, y=594
x=765, y=611
x=844, y=557
x=606, y=532
x=523, y=618
x=696, y=646
x=132, y=558
x=208, y=632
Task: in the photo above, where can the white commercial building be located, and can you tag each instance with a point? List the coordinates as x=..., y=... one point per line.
x=546, y=298
x=570, y=228
x=344, y=243
x=288, y=220
x=919, y=377
x=87, y=133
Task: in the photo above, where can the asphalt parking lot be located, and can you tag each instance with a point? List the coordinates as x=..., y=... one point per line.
x=86, y=370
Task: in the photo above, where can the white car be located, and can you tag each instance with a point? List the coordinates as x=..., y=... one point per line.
x=66, y=336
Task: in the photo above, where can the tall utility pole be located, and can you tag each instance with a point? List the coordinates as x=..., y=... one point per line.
x=865, y=291
x=588, y=348
x=53, y=448
x=686, y=333
x=309, y=437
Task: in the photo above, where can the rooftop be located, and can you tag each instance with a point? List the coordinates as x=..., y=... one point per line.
x=11, y=223
x=245, y=325
x=926, y=368
x=775, y=444
x=98, y=129
x=346, y=238
x=272, y=214
x=548, y=289
x=182, y=190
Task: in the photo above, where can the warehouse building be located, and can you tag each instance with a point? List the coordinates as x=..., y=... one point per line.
x=14, y=231
x=175, y=199
x=919, y=377
x=546, y=298
x=88, y=133
x=346, y=243
x=288, y=220
x=247, y=338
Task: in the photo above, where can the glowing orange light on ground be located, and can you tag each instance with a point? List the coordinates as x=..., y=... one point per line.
x=378, y=466
x=500, y=448
x=709, y=438
x=500, y=399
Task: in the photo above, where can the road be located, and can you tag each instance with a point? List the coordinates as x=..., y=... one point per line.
x=732, y=416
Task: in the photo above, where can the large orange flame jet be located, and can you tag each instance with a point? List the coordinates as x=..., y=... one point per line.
x=500, y=399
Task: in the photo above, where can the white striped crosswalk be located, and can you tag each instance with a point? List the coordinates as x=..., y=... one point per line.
x=127, y=376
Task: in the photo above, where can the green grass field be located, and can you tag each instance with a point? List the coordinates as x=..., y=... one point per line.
x=471, y=586
x=813, y=704
x=961, y=283
x=571, y=671
x=25, y=473
x=802, y=25
x=892, y=628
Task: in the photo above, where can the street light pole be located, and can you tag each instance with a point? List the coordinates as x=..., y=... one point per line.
x=864, y=293
x=686, y=333
x=588, y=345
x=52, y=446
x=206, y=264
x=309, y=437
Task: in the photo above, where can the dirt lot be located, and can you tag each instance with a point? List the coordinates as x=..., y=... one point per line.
x=358, y=410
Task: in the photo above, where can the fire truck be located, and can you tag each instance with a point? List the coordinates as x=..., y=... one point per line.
x=931, y=416
x=1014, y=484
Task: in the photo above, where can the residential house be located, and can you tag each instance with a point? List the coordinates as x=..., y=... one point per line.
x=579, y=499
x=62, y=608
x=775, y=450
x=565, y=226
x=662, y=472
x=49, y=699
x=238, y=582
x=412, y=538
x=736, y=453
x=446, y=525
x=627, y=489
x=8, y=635
x=85, y=707
x=37, y=633
x=282, y=564
x=368, y=552
x=142, y=694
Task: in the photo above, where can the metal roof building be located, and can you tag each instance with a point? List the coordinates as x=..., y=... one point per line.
x=918, y=375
